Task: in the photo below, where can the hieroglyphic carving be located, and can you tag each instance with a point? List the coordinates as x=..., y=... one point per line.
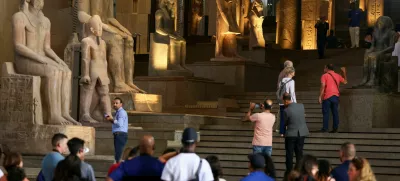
x=309, y=16
x=288, y=24
x=375, y=10
x=20, y=100
x=309, y=35
x=278, y=26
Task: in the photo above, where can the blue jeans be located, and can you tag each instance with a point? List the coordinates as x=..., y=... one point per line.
x=120, y=139
x=331, y=103
x=282, y=127
x=265, y=150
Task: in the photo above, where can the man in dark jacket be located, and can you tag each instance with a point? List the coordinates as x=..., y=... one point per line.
x=296, y=130
x=322, y=28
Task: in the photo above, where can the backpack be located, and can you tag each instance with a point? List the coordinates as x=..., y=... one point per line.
x=281, y=90
x=198, y=172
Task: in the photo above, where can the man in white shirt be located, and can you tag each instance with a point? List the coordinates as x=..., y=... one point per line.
x=187, y=165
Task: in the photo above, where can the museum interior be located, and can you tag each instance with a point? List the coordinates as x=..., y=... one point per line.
x=196, y=63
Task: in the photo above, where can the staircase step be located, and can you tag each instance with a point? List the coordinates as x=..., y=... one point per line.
x=275, y=110
x=303, y=101
x=311, y=93
x=306, y=106
x=241, y=114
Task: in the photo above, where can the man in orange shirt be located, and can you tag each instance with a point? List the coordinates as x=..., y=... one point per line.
x=263, y=129
x=329, y=96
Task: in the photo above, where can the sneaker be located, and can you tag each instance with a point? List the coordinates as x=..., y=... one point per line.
x=334, y=131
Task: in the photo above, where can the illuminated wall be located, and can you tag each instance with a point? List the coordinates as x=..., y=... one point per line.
x=375, y=10
x=309, y=16
x=288, y=24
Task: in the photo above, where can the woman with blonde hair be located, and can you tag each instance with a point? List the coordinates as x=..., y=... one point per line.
x=360, y=170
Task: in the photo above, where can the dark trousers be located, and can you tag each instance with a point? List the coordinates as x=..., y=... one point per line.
x=293, y=144
x=331, y=103
x=321, y=42
x=120, y=139
x=282, y=127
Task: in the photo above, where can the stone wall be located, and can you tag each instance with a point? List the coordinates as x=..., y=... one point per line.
x=58, y=11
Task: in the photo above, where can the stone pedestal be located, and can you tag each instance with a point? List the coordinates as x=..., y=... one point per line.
x=180, y=90
x=140, y=102
x=238, y=76
x=367, y=108
x=255, y=55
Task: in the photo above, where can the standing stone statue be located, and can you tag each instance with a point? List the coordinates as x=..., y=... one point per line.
x=197, y=15
x=94, y=71
x=227, y=29
x=119, y=42
x=34, y=56
x=167, y=48
x=377, y=66
x=256, y=20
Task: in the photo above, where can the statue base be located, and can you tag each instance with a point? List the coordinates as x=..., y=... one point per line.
x=36, y=139
x=238, y=76
x=140, y=102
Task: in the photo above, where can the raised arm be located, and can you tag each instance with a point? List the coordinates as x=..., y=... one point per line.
x=47, y=46
x=85, y=61
x=116, y=23
x=20, y=38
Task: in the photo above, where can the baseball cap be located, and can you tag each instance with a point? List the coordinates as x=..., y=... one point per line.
x=256, y=160
x=189, y=136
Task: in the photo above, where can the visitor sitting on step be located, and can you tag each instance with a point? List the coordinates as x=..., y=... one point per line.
x=331, y=40
x=368, y=38
x=263, y=128
x=346, y=154
x=329, y=96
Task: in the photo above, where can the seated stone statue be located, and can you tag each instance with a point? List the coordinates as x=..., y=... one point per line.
x=378, y=63
x=34, y=56
x=256, y=20
x=94, y=71
x=119, y=41
x=167, y=49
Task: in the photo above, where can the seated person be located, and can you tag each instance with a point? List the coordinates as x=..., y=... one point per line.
x=331, y=40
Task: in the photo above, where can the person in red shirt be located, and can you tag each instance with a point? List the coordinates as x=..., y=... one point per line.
x=329, y=96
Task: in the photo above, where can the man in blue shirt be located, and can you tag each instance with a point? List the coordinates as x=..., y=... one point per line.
x=347, y=153
x=50, y=161
x=257, y=165
x=119, y=128
x=143, y=167
x=355, y=15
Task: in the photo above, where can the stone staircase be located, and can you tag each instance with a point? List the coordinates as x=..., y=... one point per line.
x=231, y=141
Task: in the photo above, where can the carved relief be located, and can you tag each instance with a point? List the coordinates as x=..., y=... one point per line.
x=309, y=15
x=288, y=24
x=375, y=10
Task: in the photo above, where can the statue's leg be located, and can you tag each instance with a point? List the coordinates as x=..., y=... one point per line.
x=372, y=71
x=174, y=55
x=129, y=63
x=183, y=55
x=105, y=101
x=86, y=101
x=116, y=63
x=66, y=96
x=218, y=45
x=366, y=67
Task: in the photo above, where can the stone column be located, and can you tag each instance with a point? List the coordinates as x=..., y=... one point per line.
x=289, y=21
x=278, y=11
x=331, y=14
x=180, y=17
x=375, y=10
x=309, y=16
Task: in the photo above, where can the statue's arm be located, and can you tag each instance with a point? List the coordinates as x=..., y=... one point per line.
x=159, y=28
x=83, y=9
x=115, y=22
x=222, y=12
x=19, y=40
x=47, y=45
x=85, y=58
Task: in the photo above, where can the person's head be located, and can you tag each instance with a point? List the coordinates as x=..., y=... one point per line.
x=324, y=170
x=59, y=142
x=256, y=162
x=290, y=72
x=347, y=151
x=117, y=103
x=360, y=169
x=353, y=6
x=147, y=145
x=287, y=99
x=189, y=139
x=13, y=159
x=215, y=166
x=133, y=152
x=96, y=26
x=68, y=169
x=308, y=165
x=269, y=167
x=15, y=174
x=322, y=18
x=76, y=147
x=288, y=63
x=329, y=67
x=267, y=105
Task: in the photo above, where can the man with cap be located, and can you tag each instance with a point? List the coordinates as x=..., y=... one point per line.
x=256, y=167
x=187, y=165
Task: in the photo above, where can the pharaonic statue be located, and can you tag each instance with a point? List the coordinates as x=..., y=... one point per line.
x=34, y=56
x=244, y=18
x=256, y=20
x=94, y=71
x=197, y=15
x=167, y=48
x=227, y=29
x=378, y=69
x=119, y=42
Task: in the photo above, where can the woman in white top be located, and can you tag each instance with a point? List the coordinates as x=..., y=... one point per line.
x=288, y=82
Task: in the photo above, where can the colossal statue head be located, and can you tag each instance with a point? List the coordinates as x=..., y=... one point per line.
x=384, y=23
x=168, y=4
x=96, y=26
